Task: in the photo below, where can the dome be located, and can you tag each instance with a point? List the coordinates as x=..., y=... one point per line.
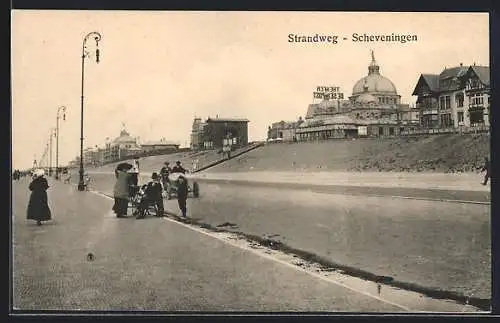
x=374, y=82
x=366, y=98
x=124, y=138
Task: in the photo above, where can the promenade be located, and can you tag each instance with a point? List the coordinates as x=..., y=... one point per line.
x=162, y=264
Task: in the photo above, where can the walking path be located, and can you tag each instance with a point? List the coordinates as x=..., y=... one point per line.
x=87, y=259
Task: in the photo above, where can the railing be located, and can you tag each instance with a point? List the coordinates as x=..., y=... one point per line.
x=459, y=130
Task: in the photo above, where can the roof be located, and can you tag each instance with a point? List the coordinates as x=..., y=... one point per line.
x=160, y=143
x=374, y=83
x=432, y=80
x=456, y=71
x=124, y=137
x=482, y=72
x=451, y=74
x=227, y=120
x=377, y=121
x=437, y=83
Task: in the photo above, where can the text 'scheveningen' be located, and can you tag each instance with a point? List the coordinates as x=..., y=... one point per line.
x=355, y=37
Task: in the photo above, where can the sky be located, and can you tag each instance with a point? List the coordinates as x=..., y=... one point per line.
x=160, y=69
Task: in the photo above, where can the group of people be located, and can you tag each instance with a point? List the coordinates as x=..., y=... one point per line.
x=127, y=186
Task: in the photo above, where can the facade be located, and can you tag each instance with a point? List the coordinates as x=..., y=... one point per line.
x=160, y=145
x=457, y=97
x=215, y=133
x=197, y=134
x=284, y=130
x=374, y=109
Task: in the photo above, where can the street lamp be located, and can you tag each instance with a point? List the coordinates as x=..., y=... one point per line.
x=52, y=134
x=85, y=53
x=63, y=109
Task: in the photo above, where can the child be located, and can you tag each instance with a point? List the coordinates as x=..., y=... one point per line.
x=182, y=193
x=153, y=195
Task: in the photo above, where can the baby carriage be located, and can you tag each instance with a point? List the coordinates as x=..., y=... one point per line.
x=143, y=202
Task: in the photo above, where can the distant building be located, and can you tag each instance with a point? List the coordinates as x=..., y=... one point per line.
x=374, y=109
x=160, y=145
x=197, y=134
x=457, y=97
x=214, y=133
x=122, y=146
x=283, y=130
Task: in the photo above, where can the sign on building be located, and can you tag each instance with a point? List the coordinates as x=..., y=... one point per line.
x=328, y=93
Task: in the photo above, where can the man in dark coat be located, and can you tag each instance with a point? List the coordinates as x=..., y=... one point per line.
x=164, y=172
x=38, y=207
x=178, y=168
x=152, y=196
x=182, y=194
x=486, y=168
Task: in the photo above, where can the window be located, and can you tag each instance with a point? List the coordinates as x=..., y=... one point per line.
x=477, y=99
x=474, y=83
x=391, y=131
x=380, y=131
x=441, y=103
x=459, y=98
x=460, y=117
x=447, y=101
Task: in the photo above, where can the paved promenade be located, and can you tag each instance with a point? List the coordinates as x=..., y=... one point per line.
x=160, y=264
x=440, y=245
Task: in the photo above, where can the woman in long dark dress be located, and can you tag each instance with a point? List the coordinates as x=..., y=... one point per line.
x=38, y=207
x=121, y=193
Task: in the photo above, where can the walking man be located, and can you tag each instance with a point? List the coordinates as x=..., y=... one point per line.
x=487, y=169
x=182, y=193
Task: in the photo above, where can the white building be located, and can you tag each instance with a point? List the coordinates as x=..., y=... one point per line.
x=457, y=97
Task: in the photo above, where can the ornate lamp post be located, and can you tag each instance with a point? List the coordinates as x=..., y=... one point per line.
x=85, y=53
x=52, y=134
x=63, y=109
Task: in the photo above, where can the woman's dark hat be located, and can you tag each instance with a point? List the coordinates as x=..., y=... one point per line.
x=178, y=162
x=154, y=176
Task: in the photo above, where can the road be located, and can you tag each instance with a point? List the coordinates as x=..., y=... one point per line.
x=161, y=264
x=439, y=245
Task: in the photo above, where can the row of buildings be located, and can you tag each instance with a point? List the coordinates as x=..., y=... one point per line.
x=458, y=97
x=122, y=147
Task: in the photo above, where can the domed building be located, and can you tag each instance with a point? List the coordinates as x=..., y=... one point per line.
x=374, y=109
x=379, y=87
x=120, y=147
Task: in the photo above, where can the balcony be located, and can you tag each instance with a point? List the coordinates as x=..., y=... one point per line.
x=428, y=112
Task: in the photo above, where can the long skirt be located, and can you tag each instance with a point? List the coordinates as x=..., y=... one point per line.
x=38, y=207
x=121, y=206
